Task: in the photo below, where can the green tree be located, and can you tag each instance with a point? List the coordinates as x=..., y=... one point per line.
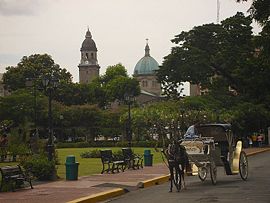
x=19, y=107
x=115, y=82
x=33, y=66
x=260, y=11
x=86, y=117
x=217, y=56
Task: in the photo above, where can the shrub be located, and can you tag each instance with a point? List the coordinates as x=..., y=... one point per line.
x=91, y=154
x=109, y=144
x=40, y=167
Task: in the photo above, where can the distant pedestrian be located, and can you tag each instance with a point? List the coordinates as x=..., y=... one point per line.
x=254, y=140
x=260, y=139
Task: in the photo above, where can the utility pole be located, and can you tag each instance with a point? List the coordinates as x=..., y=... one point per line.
x=218, y=8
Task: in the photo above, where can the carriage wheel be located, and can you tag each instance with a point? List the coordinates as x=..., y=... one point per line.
x=213, y=172
x=202, y=173
x=177, y=179
x=243, y=165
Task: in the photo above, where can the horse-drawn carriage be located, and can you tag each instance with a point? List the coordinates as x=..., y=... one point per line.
x=212, y=145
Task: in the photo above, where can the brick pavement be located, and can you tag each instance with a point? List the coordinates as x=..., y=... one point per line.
x=63, y=191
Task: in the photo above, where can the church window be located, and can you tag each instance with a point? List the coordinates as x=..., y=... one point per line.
x=144, y=83
x=92, y=55
x=86, y=55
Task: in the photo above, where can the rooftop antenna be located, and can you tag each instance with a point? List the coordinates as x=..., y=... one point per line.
x=218, y=8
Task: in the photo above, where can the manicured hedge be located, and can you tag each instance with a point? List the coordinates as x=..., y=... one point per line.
x=108, y=144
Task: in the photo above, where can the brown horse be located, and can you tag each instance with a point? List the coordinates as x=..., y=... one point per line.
x=177, y=158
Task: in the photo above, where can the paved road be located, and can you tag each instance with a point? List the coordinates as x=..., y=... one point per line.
x=228, y=189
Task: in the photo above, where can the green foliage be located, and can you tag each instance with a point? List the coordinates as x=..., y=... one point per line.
x=118, y=155
x=113, y=72
x=19, y=107
x=249, y=118
x=110, y=123
x=33, y=66
x=85, y=144
x=260, y=10
x=40, y=167
x=80, y=94
x=119, y=86
x=115, y=83
x=95, y=153
x=91, y=154
x=220, y=51
x=147, y=143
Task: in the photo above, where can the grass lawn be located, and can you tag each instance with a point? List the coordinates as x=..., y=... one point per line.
x=88, y=166
x=9, y=164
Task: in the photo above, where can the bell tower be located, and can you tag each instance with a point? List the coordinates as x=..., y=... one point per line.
x=88, y=67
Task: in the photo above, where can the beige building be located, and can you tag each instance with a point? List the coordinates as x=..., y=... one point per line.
x=88, y=67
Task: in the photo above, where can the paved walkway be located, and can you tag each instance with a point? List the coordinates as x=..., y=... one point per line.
x=64, y=191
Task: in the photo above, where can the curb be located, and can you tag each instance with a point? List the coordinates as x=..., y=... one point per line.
x=154, y=181
x=100, y=196
x=257, y=152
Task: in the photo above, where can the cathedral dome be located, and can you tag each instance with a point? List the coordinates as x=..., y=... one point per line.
x=147, y=64
x=88, y=44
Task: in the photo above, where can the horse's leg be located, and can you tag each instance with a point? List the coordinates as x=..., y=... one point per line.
x=183, y=176
x=171, y=175
x=178, y=176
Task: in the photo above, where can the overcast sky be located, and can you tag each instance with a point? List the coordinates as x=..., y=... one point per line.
x=119, y=28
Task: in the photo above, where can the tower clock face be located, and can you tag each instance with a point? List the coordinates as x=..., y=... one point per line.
x=86, y=62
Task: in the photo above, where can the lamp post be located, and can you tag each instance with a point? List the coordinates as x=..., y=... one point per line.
x=182, y=128
x=50, y=83
x=129, y=99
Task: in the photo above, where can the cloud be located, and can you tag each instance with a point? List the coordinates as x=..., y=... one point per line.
x=19, y=7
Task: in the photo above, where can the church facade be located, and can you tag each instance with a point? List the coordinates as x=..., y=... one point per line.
x=88, y=67
x=145, y=73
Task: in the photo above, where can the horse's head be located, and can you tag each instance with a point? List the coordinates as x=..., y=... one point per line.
x=176, y=152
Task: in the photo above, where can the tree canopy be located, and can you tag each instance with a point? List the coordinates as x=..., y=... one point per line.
x=33, y=67
x=219, y=57
x=116, y=83
x=260, y=11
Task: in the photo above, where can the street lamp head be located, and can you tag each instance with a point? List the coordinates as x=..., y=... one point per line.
x=129, y=97
x=45, y=81
x=28, y=82
x=55, y=82
x=50, y=81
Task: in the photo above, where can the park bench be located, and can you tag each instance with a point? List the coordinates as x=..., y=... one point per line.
x=132, y=160
x=14, y=174
x=109, y=163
